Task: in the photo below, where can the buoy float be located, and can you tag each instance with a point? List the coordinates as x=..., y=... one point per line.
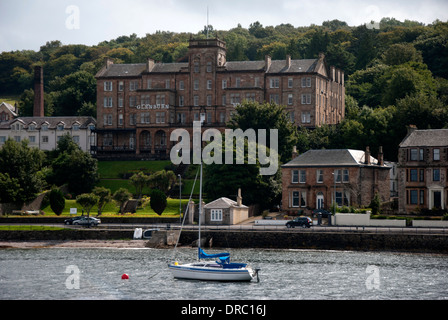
x=124, y=276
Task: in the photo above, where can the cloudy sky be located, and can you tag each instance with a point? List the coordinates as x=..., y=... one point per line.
x=28, y=24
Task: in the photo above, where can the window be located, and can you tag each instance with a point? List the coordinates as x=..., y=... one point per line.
x=422, y=175
x=181, y=101
x=295, y=199
x=421, y=154
x=257, y=82
x=107, y=85
x=306, y=98
x=295, y=176
x=160, y=117
x=108, y=102
x=306, y=82
x=274, y=98
x=167, y=84
x=133, y=85
x=2, y=139
x=181, y=85
x=414, y=197
x=342, y=198
x=436, y=154
x=224, y=84
x=160, y=99
x=120, y=119
x=422, y=196
x=345, y=177
x=133, y=119
x=32, y=139
x=196, y=85
x=76, y=139
x=302, y=176
x=224, y=99
x=306, y=117
x=209, y=84
x=436, y=175
x=44, y=139
x=222, y=117
x=44, y=127
x=181, y=117
x=145, y=117
x=149, y=84
x=60, y=127
x=216, y=215
x=196, y=66
x=341, y=175
x=320, y=176
x=250, y=97
x=120, y=102
x=275, y=83
x=209, y=67
x=76, y=127
x=196, y=101
x=209, y=100
x=289, y=82
x=290, y=98
x=238, y=82
x=414, y=154
x=414, y=175
x=120, y=86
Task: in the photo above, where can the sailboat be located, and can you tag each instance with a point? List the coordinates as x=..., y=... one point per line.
x=204, y=269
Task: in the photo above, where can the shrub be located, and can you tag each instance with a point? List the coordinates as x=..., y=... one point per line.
x=57, y=201
x=158, y=201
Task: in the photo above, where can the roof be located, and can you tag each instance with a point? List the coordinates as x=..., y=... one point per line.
x=426, y=138
x=331, y=157
x=277, y=66
x=222, y=203
x=52, y=122
x=9, y=107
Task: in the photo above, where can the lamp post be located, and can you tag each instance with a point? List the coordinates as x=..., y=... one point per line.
x=180, y=198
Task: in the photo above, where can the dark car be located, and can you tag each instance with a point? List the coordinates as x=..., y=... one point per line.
x=71, y=220
x=325, y=213
x=304, y=222
x=84, y=221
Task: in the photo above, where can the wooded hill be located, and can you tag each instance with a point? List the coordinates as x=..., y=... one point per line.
x=395, y=75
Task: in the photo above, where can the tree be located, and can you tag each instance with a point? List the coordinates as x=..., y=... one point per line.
x=104, y=197
x=57, y=201
x=121, y=196
x=162, y=180
x=139, y=181
x=158, y=201
x=87, y=201
x=254, y=115
x=21, y=167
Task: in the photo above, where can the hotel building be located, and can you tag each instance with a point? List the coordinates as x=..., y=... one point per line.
x=139, y=105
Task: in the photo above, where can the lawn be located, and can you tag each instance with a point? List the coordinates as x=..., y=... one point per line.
x=29, y=228
x=111, y=210
x=116, y=169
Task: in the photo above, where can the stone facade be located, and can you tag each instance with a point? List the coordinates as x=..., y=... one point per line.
x=312, y=180
x=423, y=171
x=224, y=211
x=139, y=105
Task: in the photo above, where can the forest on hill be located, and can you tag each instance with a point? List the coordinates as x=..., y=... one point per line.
x=396, y=75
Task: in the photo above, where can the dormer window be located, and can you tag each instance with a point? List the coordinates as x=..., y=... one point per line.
x=60, y=127
x=75, y=127
x=44, y=127
x=32, y=127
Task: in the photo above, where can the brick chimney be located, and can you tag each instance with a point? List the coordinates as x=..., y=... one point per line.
x=381, y=157
x=239, y=199
x=38, y=110
x=288, y=61
x=267, y=60
x=367, y=156
x=295, y=154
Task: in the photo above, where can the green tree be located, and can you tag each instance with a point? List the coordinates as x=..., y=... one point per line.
x=254, y=115
x=57, y=201
x=104, y=197
x=158, y=201
x=87, y=201
x=162, y=180
x=121, y=196
x=21, y=166
x=139, y=181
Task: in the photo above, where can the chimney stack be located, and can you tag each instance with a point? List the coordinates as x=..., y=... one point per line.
x=149, y=65
x=295, y=154
x=38, y=110
x=267, y=60
x=381, y=157
x=239, y=199
x=288, y=61
x=367, y=156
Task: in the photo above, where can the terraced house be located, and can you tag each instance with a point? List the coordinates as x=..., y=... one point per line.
x=139, y=105
x=423, y=170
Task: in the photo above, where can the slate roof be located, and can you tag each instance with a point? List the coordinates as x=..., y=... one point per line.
x=331, y=158
x=10, y=108
x=426, y=138
x=52, y=122
x=222, y=203
x=277, y=66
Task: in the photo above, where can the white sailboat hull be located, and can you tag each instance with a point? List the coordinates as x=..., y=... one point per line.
x=206, y=272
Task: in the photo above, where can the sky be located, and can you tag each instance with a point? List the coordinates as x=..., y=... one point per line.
x=29, y=24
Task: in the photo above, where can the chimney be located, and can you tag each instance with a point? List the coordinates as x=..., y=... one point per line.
x=411, y=128
x=295, y=154
x=367, y=156
x=108, y=61
x=239, y=199
x=288, y=61
x=380, y=157
x=149, y=65
x=267, y=60
x=38, y=110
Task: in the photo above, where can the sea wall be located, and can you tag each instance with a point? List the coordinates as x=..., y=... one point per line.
x=364, y=241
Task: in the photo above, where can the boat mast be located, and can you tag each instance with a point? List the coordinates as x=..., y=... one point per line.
x=200, y=211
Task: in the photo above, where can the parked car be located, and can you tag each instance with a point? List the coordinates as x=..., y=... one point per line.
x=84, y=221
x=325, y=213
x=304, y=222
x=71, y=220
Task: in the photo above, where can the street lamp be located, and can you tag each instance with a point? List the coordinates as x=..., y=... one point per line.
x=180, y=198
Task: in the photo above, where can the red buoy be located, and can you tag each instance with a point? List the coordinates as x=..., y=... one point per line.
x=124, y=276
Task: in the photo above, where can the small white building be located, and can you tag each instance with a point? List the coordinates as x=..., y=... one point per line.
x=226, y=211
x=44, y=132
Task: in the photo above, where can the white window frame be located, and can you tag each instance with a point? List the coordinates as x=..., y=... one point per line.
x=216, y=215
